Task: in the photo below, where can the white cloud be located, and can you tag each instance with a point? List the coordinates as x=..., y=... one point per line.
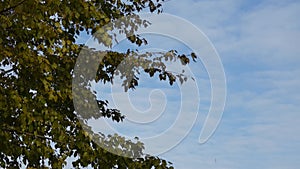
x=267, y=31
x=259, y=44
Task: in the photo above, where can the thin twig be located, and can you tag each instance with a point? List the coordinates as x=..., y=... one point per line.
x=14, y=6
x=11, y=129
x=6, y=71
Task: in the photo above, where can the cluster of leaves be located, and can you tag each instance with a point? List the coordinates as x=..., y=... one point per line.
x=128, y=66
x=38, y=123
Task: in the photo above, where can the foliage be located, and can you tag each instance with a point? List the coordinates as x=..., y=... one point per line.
x=38, y=125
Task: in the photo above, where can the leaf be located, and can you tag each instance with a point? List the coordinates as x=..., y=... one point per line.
x=194, y=57
x=38, y=41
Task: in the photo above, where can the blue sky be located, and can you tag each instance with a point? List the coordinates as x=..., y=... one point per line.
x=258, y=43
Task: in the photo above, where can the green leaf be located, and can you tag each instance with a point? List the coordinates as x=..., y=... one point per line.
x=38, y=120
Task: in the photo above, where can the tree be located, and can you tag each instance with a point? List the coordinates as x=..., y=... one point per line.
x=38, y=124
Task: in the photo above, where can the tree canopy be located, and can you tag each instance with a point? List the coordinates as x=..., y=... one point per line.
x=38, y=124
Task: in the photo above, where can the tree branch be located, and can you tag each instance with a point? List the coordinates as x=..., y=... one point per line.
x=12, y=7
x=11, y=129
x=6, y=71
